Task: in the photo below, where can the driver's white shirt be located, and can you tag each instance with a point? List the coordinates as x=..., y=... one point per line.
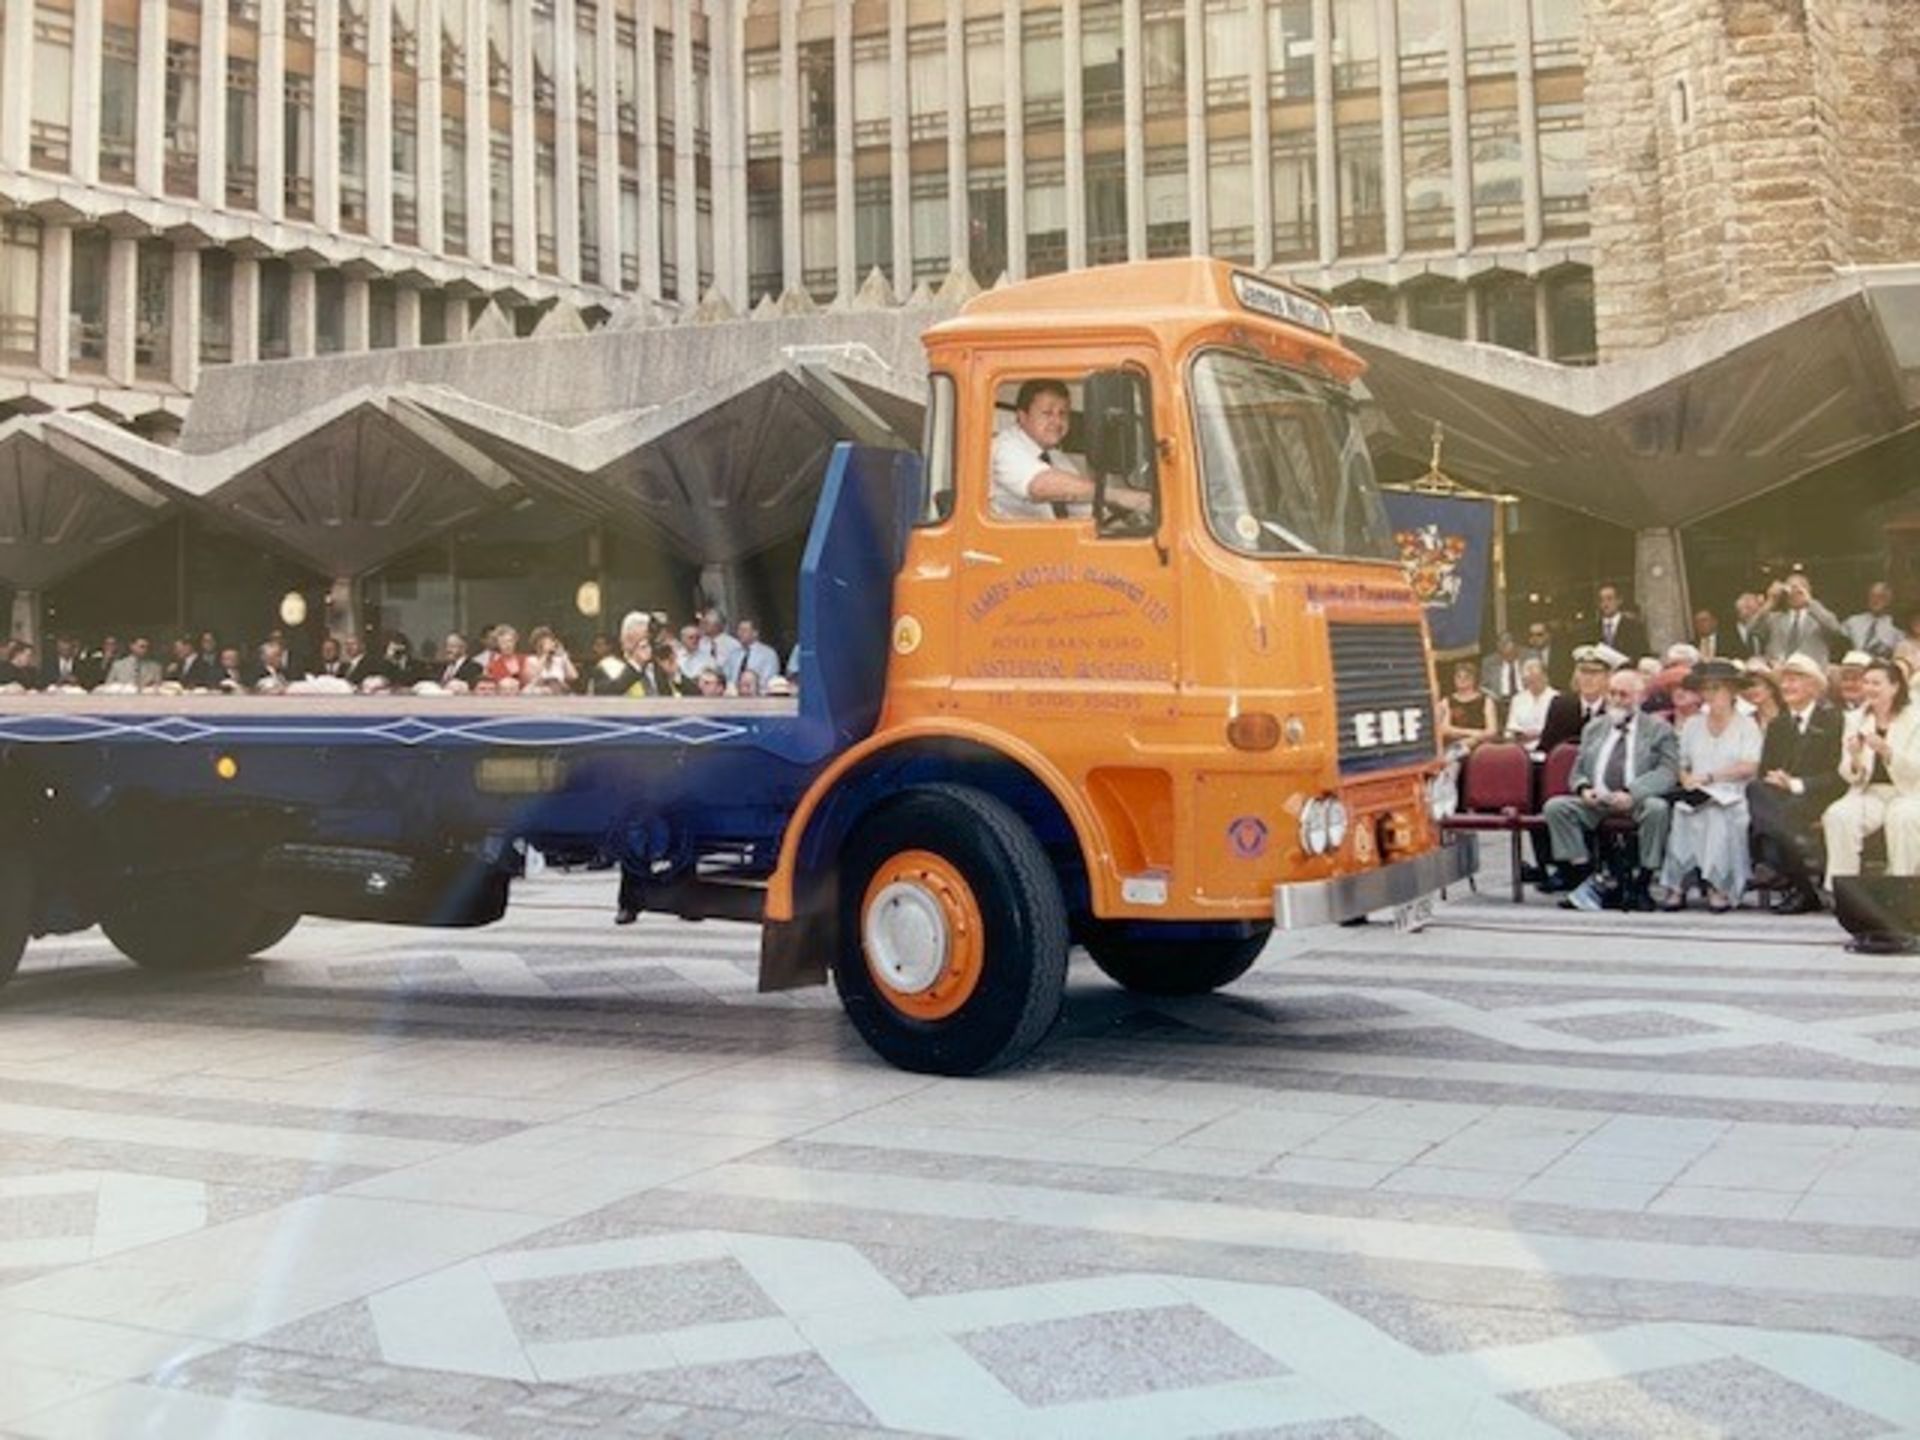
x=1016, y=464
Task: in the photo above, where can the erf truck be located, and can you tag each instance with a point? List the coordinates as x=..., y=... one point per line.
x=1160, y=729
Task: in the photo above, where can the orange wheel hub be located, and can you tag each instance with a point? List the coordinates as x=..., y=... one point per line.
x=922, y=935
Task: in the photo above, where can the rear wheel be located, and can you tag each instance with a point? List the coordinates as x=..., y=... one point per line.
x=1174, y=966
x=953, y=934
x=16, y=910
x=177, y=925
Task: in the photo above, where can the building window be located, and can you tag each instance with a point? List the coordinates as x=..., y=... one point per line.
x=872, y=105
x=50, y=122
x=763, y=103
x=1490, y=40
x=1556, y=32
x=1163, y=59
x=153, y=309
x=1426, y=149
x=276, y=309
x=1498, y=197
x=1423, y=40
x=1043, y=67
x=1356, y=45
x=927, y=82
x=1290, y=50
x=669, y=241
x=765, y=275
x=1563, y=165
x=1046, y=218
x=816, y=98
x=383, y=315
x=500, y=48
x=183, y=118
x=1296, y=197
x=586, y=50
x=1106, y=213
x=987, y=224
x=1169, y=226
x=665, y=96
x=817, y=249
x=1507, y=312
x=353, y=160
x=243, y=133
x=500, y=195
x=433, y=317
x=87, y=301
x=453, y=44
x=1227, y=44
x=932, y=248
x=546, y=210
x=702, y=98
x=216, y=307
x=297, y=147
x=1363, y=227
x=1103, y=91
x=545, y=76
x=300, y=19
x=405, y=171
x=453, y=186
x=353, y=27
x=1230, y=202
x=629, y=233
x=1570, y=327
x=986, y=42
x=20, y=288
x=405, y=39
x=626, y=74
x=244, y=12
x=872, y=227
x=119, y=116
x=1376, y=299
x=329, y=312
x=1438, y=307
x=588, y=189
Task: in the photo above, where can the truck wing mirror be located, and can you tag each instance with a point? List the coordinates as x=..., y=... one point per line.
x=1110, y=405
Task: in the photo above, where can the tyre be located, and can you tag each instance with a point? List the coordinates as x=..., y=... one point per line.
x=16, y=910
x=953, y=936
x=179, y=925
x=1174, y=966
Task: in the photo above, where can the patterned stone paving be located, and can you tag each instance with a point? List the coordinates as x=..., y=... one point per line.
x=1529, y=1175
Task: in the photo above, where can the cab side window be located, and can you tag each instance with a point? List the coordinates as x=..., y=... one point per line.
x=936, y=449
x=1051, y=460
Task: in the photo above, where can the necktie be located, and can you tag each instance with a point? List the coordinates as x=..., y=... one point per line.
x=1793, y=632
x=1058, y=507
x=1609, y=629
x=1616, y=772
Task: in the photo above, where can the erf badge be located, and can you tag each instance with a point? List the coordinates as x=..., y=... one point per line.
x=906, y=635
x=1248, y=837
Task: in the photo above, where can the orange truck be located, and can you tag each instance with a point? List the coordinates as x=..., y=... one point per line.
x=1148, y=678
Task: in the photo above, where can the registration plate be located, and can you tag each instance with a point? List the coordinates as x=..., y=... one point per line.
x=1413, y=915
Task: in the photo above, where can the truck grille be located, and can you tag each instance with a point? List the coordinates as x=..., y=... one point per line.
x=1384, y=699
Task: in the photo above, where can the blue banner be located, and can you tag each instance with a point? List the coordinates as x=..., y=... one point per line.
x=1446, y=544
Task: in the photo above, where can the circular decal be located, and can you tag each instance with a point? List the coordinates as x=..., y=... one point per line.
x=1247, y=528
x=906, y=635
x=1363, y=842
x=1248, y=837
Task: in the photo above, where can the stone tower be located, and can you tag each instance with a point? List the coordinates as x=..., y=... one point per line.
x=1744, y=150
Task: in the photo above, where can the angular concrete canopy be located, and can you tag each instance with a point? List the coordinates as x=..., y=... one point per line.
x=1747, y=403
x=63, y=506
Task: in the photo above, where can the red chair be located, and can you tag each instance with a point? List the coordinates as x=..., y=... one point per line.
x=1556, y=775
x=1496, y=794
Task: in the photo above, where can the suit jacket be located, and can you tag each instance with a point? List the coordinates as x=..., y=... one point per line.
x=365, y=668
x=1815, y=635
x=1738, y=645
x=1653, y=764
x=201, y=672
x=1564, y=722
x=1493, y=680
x=50, y=672
x=468, y=672
x=1629, y=636
x=1812, y=758
x=1903, y=766
x=131, y=670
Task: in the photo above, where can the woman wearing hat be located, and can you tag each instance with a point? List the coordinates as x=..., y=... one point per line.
x=1880, y=761
x=1719, y=754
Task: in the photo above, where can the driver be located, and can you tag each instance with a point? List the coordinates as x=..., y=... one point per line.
x=1032, y=479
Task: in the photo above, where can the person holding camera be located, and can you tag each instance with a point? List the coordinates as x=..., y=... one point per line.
x=1797, y=624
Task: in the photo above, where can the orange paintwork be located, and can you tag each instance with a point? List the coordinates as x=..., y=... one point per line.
x=966, y=934
x=1111, y=667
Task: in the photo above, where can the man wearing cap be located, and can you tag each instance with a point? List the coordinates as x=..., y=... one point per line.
x=1571, y=711
x=1847, y=677
x=1629, y=761
x=1799, y=777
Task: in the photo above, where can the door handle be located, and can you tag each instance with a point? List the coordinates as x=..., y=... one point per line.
x=979, y=557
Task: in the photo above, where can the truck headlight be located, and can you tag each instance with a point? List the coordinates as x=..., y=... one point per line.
x=1443, y=795
x=1337, y=823
x=1315, y=827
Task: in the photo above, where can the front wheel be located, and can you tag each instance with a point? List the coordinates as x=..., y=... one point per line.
x=16, y=910
x=1174, y=966
x=953, y=935
x=177, y=925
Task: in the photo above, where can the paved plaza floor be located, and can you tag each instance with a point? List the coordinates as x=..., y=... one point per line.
x=1527, y=1175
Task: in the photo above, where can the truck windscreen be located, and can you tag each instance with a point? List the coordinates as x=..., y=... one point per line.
x=1283, y=469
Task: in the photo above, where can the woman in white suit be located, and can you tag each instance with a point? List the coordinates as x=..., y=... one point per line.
x=1880, y=761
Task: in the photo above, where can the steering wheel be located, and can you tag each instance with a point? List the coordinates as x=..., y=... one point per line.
x=1117, y=519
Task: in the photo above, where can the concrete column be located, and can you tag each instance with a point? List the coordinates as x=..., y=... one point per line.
x=1260, y=133
x=479, y=135
x=959, y=221
x=1542, y=321
x=1532, y=204
x=326, y=114
x=88, y=42
x=150, y=99
x=1458, y=135
x=24, y=624
x=183, y=363
x=1199, y=202
x=728, y=149
x=1013, y=73
x=525, y=226
x=1660, y=586
x=686, y=216
x=245, y=315
x=1327, y=178
x=356, y=324
x=430, y=98
x=899, y=164
x=1393, y=169
x=1133, y=84
x=123, y=268
x=791, y=260
x=16, y=83
x=459, y=319
x=1470, y=313
x=406, y=318
x=647, y=119
x=303, y=322
x=846, y=280
x=213, y=108
x=380, y=124
x=1076, y=123
x=271, y=176
x=56, y=297
x=606, y=180
x=566, y=145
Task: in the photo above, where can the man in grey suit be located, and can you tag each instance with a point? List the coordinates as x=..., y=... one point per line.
x=1798, y=624
x=1500, y=671
x=1629, y=761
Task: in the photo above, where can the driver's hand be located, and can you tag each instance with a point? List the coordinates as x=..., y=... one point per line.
x=1138, y=501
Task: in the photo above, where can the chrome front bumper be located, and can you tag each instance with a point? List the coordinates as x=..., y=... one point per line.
x=1346, y=897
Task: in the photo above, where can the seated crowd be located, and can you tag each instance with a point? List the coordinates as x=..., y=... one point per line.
x=1760, y=761
x=704, y=657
